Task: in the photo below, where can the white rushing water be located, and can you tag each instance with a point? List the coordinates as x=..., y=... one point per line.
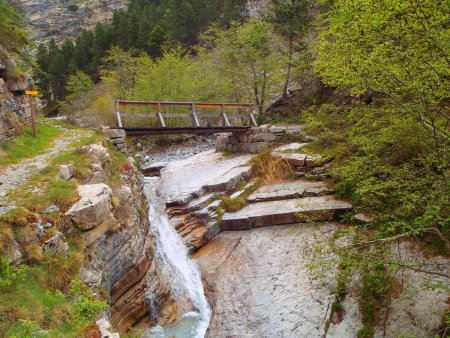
x=176, y=267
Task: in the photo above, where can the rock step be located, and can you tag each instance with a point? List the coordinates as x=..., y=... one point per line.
x=307, y=209
x=289, y=190
x=298, y=160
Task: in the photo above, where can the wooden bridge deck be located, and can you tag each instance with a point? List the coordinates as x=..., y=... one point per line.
x=183, y=130
x=196, y=127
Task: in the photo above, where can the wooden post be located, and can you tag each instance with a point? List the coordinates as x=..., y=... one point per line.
x=252, y=120
x=225, y=121
x=118, y=118
x=33, y=116
x=162, y=123
x=194, y=116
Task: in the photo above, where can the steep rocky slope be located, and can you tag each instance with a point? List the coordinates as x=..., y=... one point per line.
x=60, y=19
x=15, y=106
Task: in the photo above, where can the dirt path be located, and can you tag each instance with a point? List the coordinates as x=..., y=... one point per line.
x=16, y=175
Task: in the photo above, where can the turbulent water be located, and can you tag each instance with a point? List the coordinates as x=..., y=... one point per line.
x=179, y=270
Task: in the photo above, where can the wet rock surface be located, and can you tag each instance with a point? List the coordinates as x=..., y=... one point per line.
x=181, y=181
x=258, y=285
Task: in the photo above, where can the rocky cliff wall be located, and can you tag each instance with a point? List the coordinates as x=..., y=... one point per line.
x=15, y=106
x=61, y=19
x=112, y=216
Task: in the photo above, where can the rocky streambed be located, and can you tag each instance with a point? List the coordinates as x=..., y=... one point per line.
x=255, y=263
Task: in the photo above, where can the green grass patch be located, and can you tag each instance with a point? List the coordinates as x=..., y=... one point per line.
x=235, y=204
x=26, y=146
x=29, y=307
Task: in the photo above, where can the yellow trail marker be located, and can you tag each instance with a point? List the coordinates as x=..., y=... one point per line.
x=31, y=92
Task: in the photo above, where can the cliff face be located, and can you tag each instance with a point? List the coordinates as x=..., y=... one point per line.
x=60, y=19
x=15, y=106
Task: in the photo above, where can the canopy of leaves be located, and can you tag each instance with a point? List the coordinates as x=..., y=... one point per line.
x=399, y=48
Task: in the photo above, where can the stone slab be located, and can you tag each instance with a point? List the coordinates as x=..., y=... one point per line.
x=296, y=160
x=184, y=180
x=289, y=190
x=289, y=147
x=307, y=209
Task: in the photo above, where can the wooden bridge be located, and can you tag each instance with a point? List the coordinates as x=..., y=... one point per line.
x=158, y=122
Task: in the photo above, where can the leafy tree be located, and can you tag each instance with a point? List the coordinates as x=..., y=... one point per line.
x=290, y=19
x=157, y=39
x=248, y=55
x=79, y=92
x=399, y=48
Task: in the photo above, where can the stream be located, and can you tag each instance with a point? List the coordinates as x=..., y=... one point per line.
x=176, y=267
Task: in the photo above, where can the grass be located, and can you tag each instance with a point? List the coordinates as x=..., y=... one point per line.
x=30, y=308
x=269, y=169
x=235, y=204
x=26, y=146
x=44, y=296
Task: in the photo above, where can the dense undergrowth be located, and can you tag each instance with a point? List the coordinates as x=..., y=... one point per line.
x=388, y=165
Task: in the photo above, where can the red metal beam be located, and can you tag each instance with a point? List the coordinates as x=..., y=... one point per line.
x=185, y=104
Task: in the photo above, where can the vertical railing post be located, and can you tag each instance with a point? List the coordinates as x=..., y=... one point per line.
x=252, y=119
x=161, y=122
x=225, y=121
x=118, y=119
x=194, y=116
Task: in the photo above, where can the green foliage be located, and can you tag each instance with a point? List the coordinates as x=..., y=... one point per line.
x=395, y=47
x=248, y=56
x=72, y=7
x=80, y=92
x=291, y=20
x=13, y=35
x=8, y=276
x=30, y=309
x=235, y=204
x=26, y=146
x=384, y=162
x=146, y=26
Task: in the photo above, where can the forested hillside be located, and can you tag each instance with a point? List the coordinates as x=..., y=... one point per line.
x=145, y=27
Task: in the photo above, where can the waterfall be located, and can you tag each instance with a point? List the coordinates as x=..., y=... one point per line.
x=176, y=267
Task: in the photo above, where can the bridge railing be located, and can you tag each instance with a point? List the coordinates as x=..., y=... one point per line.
x=193, y=107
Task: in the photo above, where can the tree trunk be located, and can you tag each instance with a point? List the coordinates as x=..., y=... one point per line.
x=288, y=71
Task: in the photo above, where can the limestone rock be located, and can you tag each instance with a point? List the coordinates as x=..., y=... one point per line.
x=289, y=190
x=98, y=174
x=362, y=218
x=65, y=171
x=56, y=244
x=308, y=209
x=213, y=173
x=114, y=133
x=105, y=328
x=13, y=252
x=289, y=147
x=51, y=209
x=94, y=206
x=294, y=159
x=99, y=154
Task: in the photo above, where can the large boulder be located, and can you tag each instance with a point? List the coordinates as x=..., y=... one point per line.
x=98, y=153
x=93, y=208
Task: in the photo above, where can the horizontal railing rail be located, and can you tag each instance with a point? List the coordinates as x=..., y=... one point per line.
x=160, y=115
